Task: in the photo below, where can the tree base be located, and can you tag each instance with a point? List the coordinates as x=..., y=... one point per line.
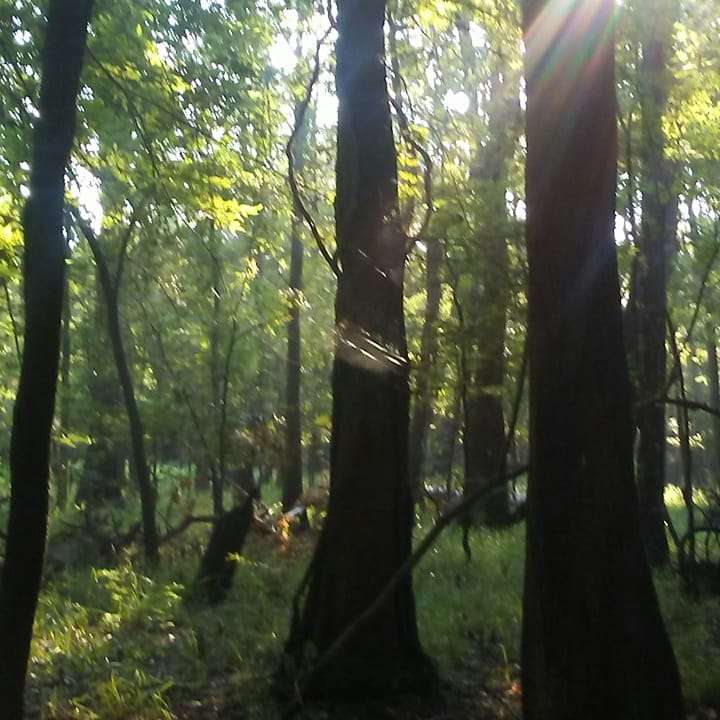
x=351, y=677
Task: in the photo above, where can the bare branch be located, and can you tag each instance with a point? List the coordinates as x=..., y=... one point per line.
x=300, y=207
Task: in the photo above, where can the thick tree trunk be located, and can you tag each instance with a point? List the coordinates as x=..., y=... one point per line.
x=137, y=433
x=594, y=644
x=368, y=529
x=650, y=301
x=486, y=313
x=44, y=270
x=484, y=434
x=425, y=391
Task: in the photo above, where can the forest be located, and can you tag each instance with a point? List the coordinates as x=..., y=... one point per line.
x=359, y=359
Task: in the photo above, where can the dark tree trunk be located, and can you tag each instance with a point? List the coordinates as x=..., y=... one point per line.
x=594, y=645
x=368, y=529
x=43, y=271
x=425, y=391
x=292, y=459
x=714, y=382
x=140, y=466
x=650, y=300
x=217, y=568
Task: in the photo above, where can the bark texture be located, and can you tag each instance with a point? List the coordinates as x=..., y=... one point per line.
x=44, y=276
x=367, y=532
x=594, y=645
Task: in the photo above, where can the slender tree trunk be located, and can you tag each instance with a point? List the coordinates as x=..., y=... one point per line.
x=425, y=391
x=43, y=271
x=217, y=479
x=104, y=462
x=593, y=644
x=714, y=382
x=368, y=529
x=453, y=430
x=292, y=461
x=650, y=302
x=137, y=434
x=62, y=470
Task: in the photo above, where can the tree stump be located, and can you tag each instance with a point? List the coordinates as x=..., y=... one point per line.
x=217, y=568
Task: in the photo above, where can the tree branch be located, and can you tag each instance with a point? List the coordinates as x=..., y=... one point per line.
x=300, y=206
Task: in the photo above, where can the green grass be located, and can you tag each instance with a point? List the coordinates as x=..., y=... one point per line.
x=114, y=644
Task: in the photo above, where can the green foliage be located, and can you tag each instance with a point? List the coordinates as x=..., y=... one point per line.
x=115, y=643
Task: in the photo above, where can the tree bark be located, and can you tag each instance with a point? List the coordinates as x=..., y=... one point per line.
x=593, y=643
x=44, y=273
x=425, y=391
x=137, y=434
x=650, y=302
x=367, y=533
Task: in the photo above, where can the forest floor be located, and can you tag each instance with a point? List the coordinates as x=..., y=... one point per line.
x=117, y=644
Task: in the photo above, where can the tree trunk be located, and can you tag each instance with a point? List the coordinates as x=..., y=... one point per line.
x=368, y=529
x=104, y=463
x=217, y=568
x=484, y=417
x=217, y=479
x=44, y=271
x=137, y=434
x=62, y=468
x=486, y=311
x=650, y=301
x=594, y=645
x=425, y=391
x=292, y=461
x=714, y=382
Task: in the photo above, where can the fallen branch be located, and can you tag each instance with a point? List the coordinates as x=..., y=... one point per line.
x=175, y=532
